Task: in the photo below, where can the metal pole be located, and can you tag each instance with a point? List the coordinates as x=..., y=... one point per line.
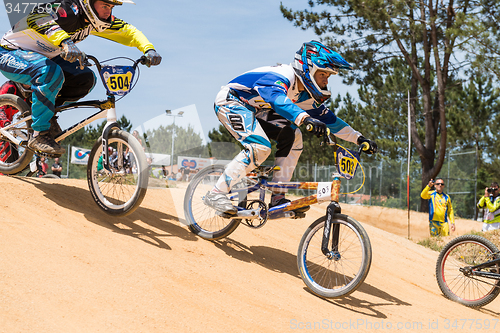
x=69, y=155
x=475, y=186
x=172, y=155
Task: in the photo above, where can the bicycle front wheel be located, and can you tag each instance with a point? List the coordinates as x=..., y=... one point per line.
x=455, y=278
x=345, y=267
x=203, y=220
x=15, y=158
x=120, y=190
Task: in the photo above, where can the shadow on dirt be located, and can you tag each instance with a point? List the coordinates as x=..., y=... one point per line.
x=273, y=259
x=362, y=306
x=145, y=224
x=284, y=262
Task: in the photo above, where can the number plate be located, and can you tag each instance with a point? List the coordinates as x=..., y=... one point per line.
x=347, y=162
x=324, y=192
x=118, y=79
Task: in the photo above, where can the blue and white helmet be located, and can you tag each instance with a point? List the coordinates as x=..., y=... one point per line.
x=314, y=56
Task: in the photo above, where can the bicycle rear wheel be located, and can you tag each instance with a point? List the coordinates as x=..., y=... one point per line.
x=119, y=192
x=202, y=219
x=342, y=271
x=15, y=158
x=458, y=283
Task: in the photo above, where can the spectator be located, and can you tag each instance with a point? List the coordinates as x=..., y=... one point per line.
x=491, y=204
x=185, y=174
x=43, y=166
x=164, y=171
x=57, y=167
x=440, y=208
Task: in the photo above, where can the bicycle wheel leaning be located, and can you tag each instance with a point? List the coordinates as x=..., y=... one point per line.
x=118, y=192
x=20, y=157
x=344, y=269
x=456, y=281
x=203, y=220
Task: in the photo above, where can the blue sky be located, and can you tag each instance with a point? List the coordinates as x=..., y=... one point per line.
x=204, y=44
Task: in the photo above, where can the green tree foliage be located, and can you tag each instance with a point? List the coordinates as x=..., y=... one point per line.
x=223, y=145
x=185, y=140
x=483, y=35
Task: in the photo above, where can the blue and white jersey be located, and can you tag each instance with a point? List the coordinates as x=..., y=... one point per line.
x=276, y=88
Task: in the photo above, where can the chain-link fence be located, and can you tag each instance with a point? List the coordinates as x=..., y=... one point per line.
x=384, y=182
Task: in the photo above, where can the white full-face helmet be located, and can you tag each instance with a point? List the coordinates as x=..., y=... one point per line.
x=99, y=24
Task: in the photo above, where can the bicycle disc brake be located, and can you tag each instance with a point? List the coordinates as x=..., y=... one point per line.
x=262, y=219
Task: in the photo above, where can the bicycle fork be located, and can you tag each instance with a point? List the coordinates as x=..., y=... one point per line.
x=332, y=230
x=110, y=125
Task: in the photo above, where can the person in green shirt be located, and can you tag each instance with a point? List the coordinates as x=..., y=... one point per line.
x=491, y=203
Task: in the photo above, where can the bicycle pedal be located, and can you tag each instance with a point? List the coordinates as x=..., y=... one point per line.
x=299, y=215
x=224, y=215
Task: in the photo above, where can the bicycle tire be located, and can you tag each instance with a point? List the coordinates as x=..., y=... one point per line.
x=20, y=157
x=203, y=220
x=338, y=276
x=120, y=192
x=463, y=251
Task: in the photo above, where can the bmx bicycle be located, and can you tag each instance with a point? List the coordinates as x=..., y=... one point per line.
x=468, y=271
x=334, y=254
x=117, y=190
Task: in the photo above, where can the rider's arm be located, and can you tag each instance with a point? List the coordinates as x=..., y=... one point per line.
x=273, y=89
x=337, y=126
x=125, y=34
x=47, y=28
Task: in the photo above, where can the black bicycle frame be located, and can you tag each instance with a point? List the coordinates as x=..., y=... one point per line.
x=476, y=269
x=332, y=209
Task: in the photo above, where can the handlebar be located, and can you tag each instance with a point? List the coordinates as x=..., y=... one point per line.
x=330, y=139
x=143, y=60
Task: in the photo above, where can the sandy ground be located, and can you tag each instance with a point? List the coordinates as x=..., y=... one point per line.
x=67, y=267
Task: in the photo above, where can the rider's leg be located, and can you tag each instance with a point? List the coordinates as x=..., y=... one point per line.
x=241, y=123
x=46, y=79
x=289, y=147
x=77, y=82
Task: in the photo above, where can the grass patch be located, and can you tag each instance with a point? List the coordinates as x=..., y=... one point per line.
x=433, y=243
x=437, y=243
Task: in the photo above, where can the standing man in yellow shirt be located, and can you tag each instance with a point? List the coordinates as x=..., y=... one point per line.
x=440, y=208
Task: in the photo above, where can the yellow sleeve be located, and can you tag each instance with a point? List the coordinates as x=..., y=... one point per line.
x=492, y=206
x=125, y=34
x=45, y=26
x=451, y=215
x=481, y=202
x=425, y=193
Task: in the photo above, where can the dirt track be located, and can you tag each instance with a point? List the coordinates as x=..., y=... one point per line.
x=67, y=267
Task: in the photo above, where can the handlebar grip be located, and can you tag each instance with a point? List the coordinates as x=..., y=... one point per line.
x=309, y=128
x=365, y=146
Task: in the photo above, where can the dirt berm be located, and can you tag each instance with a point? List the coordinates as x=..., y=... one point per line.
x=67, y=267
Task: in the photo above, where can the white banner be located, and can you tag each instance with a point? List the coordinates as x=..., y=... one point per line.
x=198, y=163
x=79, y=155
x=158, y=159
